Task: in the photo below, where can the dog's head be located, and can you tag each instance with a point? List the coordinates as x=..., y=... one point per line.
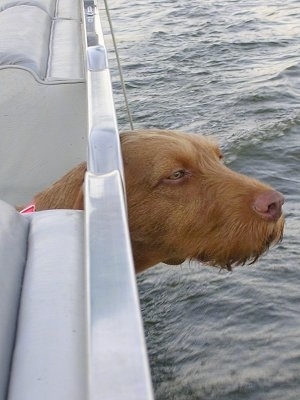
x=184, y=203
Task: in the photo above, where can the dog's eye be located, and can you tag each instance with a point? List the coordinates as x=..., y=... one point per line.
x=177, y=175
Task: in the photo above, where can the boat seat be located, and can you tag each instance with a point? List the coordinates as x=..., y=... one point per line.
x=43, y=38
x=42, y=307
x=55, y=8
x=13, y=250
x=43, y=95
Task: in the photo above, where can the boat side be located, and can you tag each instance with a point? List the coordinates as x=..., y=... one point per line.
x=115, y=334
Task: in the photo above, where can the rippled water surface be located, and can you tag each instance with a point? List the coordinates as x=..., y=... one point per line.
x=231, y=69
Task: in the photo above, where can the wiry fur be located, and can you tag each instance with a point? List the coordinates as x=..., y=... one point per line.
x=206, y=215
x=66, y=193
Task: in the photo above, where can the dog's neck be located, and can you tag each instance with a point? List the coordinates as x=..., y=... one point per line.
x=144, y=257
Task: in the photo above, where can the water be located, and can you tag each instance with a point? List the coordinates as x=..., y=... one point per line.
x=228, y=68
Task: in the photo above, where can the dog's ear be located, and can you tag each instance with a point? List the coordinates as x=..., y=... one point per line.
x=79, y=202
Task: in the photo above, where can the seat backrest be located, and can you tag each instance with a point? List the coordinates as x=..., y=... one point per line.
x=13, y=252
x=49, y=358
x=48, y=46
x=42, y=305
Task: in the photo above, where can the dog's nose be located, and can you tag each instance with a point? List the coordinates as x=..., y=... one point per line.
x=269, y=205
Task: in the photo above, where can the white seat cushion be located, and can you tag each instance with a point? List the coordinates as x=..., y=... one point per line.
x=13, y=252
x=55, y=8
x=49, y=360
x=24, y=38
x=44, y=37
x=65, y=58
x=47, y=5
x=68, y=9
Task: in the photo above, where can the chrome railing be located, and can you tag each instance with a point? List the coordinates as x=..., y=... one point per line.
x=117, y=357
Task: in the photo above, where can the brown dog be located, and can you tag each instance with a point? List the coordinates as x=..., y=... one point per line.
x=183, y=203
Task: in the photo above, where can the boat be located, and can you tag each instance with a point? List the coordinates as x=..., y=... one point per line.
x=71, y=326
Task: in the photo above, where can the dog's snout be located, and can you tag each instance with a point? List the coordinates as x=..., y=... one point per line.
x=269, y=205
